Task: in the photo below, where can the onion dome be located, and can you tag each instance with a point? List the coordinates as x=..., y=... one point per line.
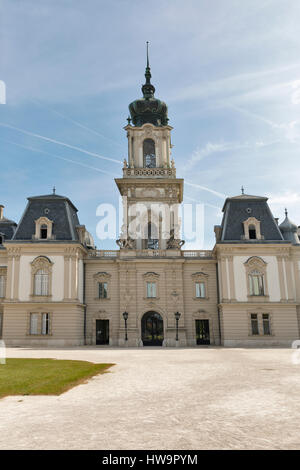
x=148, y=109
x=289, y=230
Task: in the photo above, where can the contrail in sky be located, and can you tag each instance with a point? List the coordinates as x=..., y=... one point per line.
x=75, y=122
x=222, y=196
x=23, y=131
x=57, y=156
x=205, y=203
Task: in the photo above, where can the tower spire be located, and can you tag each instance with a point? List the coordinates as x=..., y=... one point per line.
x=147, y=54
x=147, y=72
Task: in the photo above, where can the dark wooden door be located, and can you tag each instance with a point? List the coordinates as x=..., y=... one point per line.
x=152, y=329
x=102, y=331
x=202, y=332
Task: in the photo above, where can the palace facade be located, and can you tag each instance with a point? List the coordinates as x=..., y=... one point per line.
x=57, y=289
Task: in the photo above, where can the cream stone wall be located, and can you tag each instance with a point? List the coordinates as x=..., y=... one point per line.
x=127, y=292
x=57, y=277
x=196, y=308
x=237, y=331
x=66, y=324
x=241, y=279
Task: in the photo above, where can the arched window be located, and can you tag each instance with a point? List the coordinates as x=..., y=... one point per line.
x=252, y=232
x=256, y=280
x=149, y=153
x=41, y=282
x=152, y=241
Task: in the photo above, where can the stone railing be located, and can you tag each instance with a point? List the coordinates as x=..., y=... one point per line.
x=196, y=253
x=104, y=254
x=131, y=253
x=157, y=172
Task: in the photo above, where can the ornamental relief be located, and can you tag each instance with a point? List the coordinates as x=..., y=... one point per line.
x=254, y=262
x=102, y=276
x=199, y=276
x=151, y=276
x=41, y=262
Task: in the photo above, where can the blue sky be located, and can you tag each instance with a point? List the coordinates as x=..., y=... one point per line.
x=228, y=70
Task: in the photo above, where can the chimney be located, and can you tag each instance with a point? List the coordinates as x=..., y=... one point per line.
x=1, y=211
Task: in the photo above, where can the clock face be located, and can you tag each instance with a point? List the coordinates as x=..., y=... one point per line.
x=150, y=160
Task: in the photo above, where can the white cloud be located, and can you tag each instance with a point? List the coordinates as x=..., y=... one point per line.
x=295, y=98
x=287, y=198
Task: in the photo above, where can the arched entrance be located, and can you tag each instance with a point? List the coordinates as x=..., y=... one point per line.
x=152, y=329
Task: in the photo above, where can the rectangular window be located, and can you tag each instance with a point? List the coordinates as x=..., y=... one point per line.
x=151, y=289
x=1, y=324
x=254, y=324
x=266, y=324
x=2, y=286
x=200, y=290
x=102, y=290
x=256, y=284
x=34, y=318
x=45, y=323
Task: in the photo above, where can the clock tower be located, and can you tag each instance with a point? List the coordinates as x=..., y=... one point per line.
x=149, y=187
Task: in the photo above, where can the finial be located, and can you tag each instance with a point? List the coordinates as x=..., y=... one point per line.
x=286, y=212
x=242, y=189
x=54, y=189
x=128, y=120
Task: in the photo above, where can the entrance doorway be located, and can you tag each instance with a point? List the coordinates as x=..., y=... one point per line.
x=202, y=332
x=152, y=329
x=102, y=331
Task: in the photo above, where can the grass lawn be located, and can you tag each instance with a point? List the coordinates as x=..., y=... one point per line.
x=45, y=376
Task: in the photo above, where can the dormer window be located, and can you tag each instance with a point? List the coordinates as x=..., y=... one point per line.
x=252, y=232
x=44, y=232
x=252, y=229
x=43, y=229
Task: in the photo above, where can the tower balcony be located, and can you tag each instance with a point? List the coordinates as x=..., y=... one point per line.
x=149, y=172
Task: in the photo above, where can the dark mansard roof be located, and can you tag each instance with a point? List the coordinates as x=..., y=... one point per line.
x=59, y=209
x=238, y=209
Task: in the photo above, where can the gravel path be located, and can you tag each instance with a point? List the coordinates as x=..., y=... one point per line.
x=161, y=398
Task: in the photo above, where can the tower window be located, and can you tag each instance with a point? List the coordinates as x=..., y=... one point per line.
x=149, y=153
x=44, y=232
x=252, y=232
x=152, y=242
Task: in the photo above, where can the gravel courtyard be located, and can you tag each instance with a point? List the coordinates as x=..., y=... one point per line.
x=160, y=398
